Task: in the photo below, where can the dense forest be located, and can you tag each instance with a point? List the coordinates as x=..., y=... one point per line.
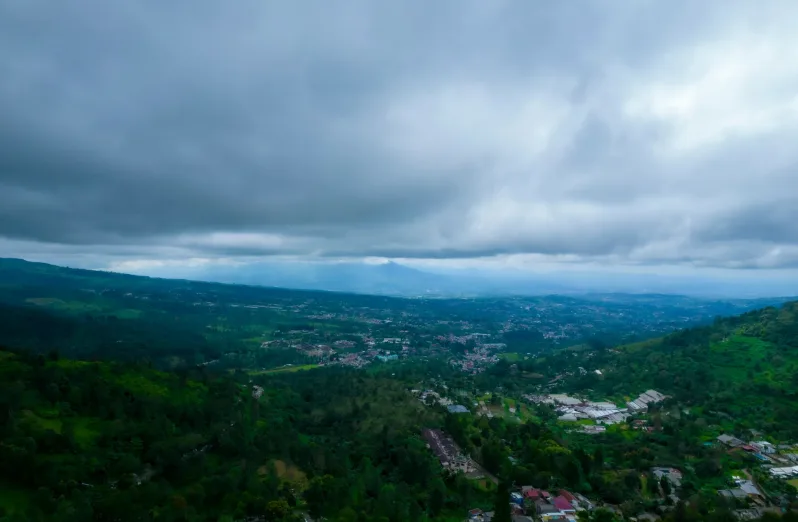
x=105, y=441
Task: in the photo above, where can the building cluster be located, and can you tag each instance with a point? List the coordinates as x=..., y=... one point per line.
x=745, y=489
x=448, y=452
x=355, y=360
x=478, y=338
x=476, y=360
x=781, y=461
x=546, y=506
x=748, y=493
x=529, y=503
x=430, y=396
x=574, y=409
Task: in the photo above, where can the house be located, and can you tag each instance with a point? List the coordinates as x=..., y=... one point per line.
x=565, y=400
x=562, y=504
x=530, y=492
x=545, y=510
x=567, y=495
x=764, y=446
x=457, y=408
x=602, y=405
x=582, y=502
x=749, y=488
x=645, y=398
x=673, y=475
x=730, y=441
x=733, y=493
x=615, y=418
x=789, y=471
x=477, y=515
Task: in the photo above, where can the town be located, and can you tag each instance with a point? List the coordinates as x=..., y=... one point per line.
x=742, y=491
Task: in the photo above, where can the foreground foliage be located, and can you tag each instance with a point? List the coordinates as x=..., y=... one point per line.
x=102, y=441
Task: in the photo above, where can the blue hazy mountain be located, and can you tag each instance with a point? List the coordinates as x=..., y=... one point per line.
x=397, y=279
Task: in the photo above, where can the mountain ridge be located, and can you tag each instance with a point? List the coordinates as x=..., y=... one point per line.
x=401, y=280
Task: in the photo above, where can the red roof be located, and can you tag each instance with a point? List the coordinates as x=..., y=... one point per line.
x=532, y=493
x=562, y=504
x=746, y=447
x=567, y=495
x=545, y=494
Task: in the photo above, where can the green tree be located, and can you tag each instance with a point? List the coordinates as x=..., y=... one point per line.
x=665, y=484
x=277, y=510
x=437, y=497
x=501, y=504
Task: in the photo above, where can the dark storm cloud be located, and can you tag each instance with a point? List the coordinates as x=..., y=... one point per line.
x=646, y=132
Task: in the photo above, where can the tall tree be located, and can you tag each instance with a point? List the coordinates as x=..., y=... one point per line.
x=501, y=505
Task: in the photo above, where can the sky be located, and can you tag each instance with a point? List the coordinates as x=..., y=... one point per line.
x=617, y=135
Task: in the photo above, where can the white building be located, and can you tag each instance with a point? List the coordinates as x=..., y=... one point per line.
x=565, y=400
x=764, y=446
x=645, y=398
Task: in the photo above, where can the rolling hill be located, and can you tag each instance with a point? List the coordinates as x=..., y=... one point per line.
x=745, y=367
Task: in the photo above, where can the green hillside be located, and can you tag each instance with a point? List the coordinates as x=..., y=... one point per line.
x=745, y=367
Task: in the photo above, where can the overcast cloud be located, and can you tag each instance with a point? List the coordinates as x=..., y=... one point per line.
x=617, y=132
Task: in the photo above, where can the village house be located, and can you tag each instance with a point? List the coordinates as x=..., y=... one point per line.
x=565, y=400
x=745, y=489
x=641, y=403
x=673, y=475
x=764, y=446
x=785, y=472
x=593, y=430
x=729, y=440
